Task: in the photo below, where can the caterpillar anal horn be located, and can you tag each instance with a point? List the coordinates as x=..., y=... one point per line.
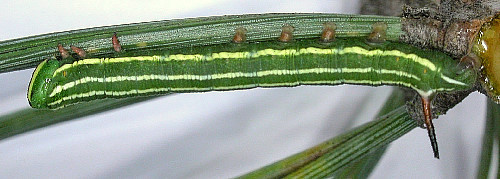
x=426, y=107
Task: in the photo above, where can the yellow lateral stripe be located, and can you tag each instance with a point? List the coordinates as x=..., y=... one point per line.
x=241, y=55
x=230, y=75
x=35, y=73
x=358, y=50
x=150, y=90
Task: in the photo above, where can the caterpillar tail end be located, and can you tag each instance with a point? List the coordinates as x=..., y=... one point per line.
x=426, y=105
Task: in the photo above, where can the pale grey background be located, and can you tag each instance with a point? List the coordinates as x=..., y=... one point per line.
x=216, y=134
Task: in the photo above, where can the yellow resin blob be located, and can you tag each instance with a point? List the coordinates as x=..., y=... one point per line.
x=487, y=47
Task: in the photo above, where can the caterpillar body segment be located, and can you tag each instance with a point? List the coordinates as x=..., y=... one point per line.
x=243, y=66
x=256, y=56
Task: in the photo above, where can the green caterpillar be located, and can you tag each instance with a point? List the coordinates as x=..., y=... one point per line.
x=243, y=66
x=267, y=61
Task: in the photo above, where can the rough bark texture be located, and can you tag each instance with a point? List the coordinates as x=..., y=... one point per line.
x=441, y=103
x=392, y=7
x=447, y=25
x=450, y=28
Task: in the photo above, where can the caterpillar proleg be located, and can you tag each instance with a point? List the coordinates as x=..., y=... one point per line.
x=243, y=66
x=280, y=61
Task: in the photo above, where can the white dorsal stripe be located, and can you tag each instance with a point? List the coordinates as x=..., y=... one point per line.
x=242, y=55
x=449, y=80
x=151, y=90
x=230, y=75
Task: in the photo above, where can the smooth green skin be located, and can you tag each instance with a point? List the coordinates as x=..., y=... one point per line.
x=44, y=81
x=139, y=39
x=41, y=82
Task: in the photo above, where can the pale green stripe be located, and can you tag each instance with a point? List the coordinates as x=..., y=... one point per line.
x=84, y=80
x=449, y=80
x=173, y=89
x=423, y=61
x=265, y=52
x=332, y=82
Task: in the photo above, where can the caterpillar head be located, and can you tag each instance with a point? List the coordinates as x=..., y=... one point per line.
x=487, y=47
x=40, y=83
